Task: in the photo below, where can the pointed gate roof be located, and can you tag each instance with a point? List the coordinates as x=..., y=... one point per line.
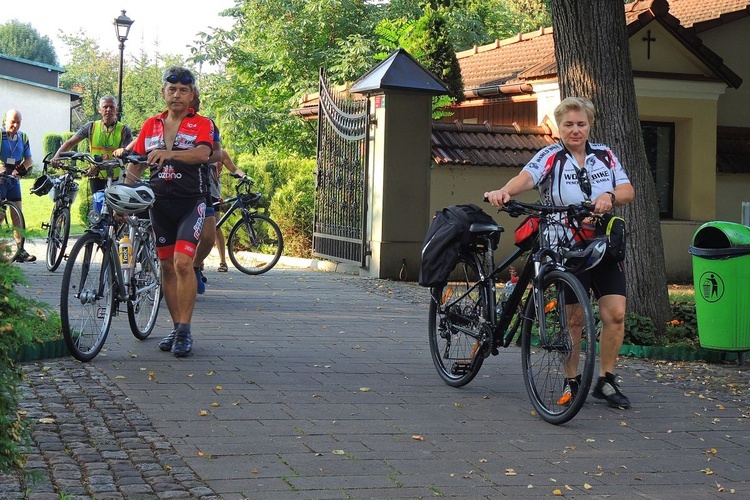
x=400, y=71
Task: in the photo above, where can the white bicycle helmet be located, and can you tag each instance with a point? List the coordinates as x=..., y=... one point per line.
x=129, y=199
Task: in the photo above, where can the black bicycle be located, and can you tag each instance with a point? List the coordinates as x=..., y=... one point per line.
x=63, y=191
x=12, y=227
x=113, y=262
x=255, y=242
x=558, y=338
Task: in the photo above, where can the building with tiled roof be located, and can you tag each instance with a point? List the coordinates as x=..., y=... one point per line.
x=688, y=65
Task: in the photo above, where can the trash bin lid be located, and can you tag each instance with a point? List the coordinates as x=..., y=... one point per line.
x=722, y=234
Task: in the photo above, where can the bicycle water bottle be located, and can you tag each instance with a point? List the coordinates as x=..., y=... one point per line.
x=126, y=253
x=507, y=291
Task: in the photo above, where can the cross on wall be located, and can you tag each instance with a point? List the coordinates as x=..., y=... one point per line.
x=648, y=39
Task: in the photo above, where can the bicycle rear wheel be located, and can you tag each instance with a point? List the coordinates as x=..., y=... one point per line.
x=552, y=353
x=9, y=247
x=456, y=312
x=143, y=306
x=57, y=237
x=87, y=298
x=255, y=244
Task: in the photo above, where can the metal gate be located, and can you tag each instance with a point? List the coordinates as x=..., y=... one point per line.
x=339, y=231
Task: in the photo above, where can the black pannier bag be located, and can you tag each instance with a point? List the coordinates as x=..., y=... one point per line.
x=446, y=237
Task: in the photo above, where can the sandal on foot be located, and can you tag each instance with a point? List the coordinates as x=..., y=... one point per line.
x=222, y=267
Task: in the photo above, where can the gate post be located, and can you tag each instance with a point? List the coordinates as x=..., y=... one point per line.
x=398, y=204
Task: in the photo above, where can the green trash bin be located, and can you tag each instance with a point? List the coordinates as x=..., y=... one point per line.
x=721, y=276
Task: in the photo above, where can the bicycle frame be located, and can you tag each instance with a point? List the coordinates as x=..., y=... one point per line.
x=237, y=204
x=539, y=262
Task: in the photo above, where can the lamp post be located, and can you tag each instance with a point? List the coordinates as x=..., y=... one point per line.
x=122, y=28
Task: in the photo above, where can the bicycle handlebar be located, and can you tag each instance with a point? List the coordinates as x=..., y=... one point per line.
x=135, y=158
x=516, y=208
x=71, y=169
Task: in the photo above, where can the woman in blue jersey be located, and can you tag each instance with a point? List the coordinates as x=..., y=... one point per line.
x=570, y=172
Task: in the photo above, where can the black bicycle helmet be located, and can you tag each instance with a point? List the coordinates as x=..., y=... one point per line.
x=42, y=185
x=129, y=199
x=585, y=255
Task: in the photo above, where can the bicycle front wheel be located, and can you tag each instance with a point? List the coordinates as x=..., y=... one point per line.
x=12, y=226
x=87, y=299
x=57, y=237
x=558, y=343
x=143, y=306
x=456, y=312
x=255, y=244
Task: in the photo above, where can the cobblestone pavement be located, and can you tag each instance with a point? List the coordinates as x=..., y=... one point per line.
x=91, y=441
x=317, y=385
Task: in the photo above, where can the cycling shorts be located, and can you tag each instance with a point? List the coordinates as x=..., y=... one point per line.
x=607, y=278
x=177, y=225
x=10, y=189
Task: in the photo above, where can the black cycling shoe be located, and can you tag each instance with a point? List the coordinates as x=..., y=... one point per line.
x=23, y=256
x=570, y=390
x=166, y=342
x=183, y=343
x=607, y=388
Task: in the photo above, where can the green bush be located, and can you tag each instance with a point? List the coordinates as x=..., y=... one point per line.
x=288, y=187
x=86, y=204
x=22, y=321
x=293, y=211
x=681, y=331
x=51, y=143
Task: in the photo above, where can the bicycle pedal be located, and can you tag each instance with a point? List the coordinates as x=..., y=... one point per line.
x=460, y=368
x=45, y=225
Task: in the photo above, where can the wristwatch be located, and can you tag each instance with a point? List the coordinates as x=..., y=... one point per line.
x=612, y=196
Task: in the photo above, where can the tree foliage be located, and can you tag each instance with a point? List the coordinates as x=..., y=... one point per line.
x=477, y=22
x=272, y=54
x=593, y=60
x=437, y=53
x=272, y=57
x=93, y=73
x=21, y=40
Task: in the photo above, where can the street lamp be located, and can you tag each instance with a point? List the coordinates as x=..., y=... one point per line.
x=122, y=28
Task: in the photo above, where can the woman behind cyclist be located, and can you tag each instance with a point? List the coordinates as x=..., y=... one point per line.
x=571, y=172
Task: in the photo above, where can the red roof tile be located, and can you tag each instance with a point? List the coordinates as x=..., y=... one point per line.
x=501, y=62
x=531, y=55
x=495, y=146
x=701, y=14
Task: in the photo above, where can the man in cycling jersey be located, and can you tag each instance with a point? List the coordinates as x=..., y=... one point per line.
x=105, y=136
x=178, y=143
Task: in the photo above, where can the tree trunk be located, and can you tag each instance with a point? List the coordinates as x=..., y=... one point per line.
x=593, y=60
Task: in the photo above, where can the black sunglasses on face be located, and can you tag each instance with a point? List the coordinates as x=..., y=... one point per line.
x=584, y=182
x=185, y=79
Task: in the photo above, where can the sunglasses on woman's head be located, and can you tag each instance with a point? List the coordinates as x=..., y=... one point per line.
x=584, y=182
x=185, y=79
